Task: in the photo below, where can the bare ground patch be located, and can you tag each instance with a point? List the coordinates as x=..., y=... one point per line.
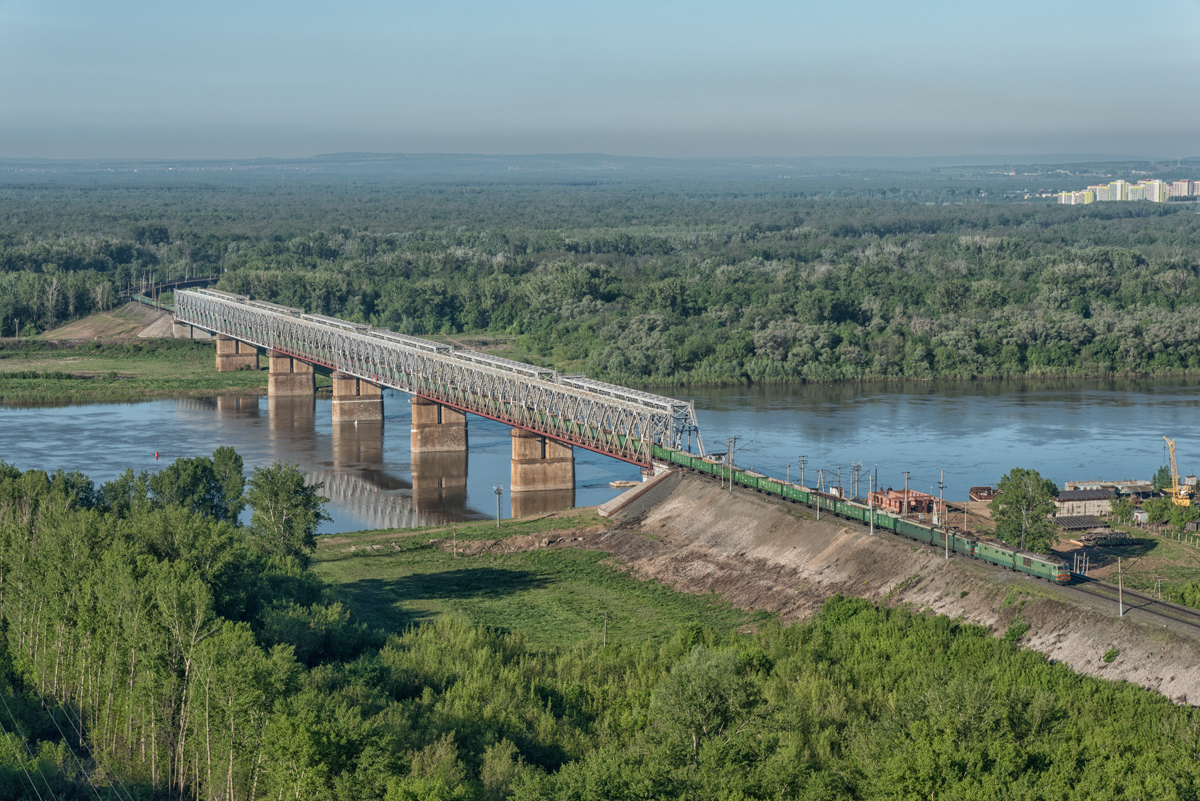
x=125, y=322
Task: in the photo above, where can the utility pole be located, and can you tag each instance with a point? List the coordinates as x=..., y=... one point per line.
x=733, y=444
x=871, y=502
x=840, y=493
x=820, y=479
x=905, y=494
x=942, y=514
x=803, y=461
x=497, y=489
x=789, y=473
x=1120, y=591
x=728, y=462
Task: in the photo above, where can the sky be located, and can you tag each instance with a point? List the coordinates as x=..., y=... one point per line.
x=256, y=78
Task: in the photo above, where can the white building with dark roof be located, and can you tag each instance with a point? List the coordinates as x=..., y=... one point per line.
x=1074, y=503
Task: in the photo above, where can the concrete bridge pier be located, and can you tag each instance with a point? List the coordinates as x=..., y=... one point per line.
x=543, y=471
x=233, y=355
x=288, y=377
x=184, y=331
x=356, y=400
x=437, y=428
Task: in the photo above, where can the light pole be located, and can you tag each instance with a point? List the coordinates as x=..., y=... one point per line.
x=498, y=490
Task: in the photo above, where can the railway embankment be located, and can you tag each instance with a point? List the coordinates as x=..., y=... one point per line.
x=761, y=552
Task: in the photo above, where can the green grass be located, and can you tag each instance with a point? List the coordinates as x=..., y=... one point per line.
x=1155, y=557
x=97, y=372
x=556, y=597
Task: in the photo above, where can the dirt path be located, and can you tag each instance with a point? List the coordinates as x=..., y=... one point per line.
x=128, y=321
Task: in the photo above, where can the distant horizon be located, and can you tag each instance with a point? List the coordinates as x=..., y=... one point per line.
x=661, y=79
x=954, y=160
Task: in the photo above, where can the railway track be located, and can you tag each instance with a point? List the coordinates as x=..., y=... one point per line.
x=1137, y=601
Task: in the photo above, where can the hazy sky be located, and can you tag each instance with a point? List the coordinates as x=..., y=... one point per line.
x=210, y=78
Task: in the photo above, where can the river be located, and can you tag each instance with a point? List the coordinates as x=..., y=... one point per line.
x=974, y=431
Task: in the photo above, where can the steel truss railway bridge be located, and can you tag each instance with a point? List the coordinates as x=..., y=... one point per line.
x=569, y=409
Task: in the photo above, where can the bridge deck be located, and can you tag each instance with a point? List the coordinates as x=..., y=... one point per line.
x=605, y=418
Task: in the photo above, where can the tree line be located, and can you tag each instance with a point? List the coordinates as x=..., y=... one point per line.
x=643, y=285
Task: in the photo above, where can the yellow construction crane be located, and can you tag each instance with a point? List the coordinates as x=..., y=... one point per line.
x=1181, y=494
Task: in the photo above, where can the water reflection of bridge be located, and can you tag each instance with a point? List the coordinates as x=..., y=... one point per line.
x=357, y=479
x=350, y=463
x=240, y=405
x=374, y=506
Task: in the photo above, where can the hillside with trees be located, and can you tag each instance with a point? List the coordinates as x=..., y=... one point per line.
x=153, y=647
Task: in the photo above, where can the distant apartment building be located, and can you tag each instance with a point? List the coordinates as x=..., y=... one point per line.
x=1152, y=189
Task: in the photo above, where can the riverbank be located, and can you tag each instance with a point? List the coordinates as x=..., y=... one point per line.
x=73, y=371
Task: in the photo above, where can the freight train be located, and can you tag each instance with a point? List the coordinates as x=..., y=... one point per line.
x=997, y=553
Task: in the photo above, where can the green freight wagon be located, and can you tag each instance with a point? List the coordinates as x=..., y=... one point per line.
x=794, y=493
x=771, y=485
x=852, y=511
x=751, y=479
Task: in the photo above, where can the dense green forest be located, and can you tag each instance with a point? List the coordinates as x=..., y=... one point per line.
x=647, y=283
x=156, y=648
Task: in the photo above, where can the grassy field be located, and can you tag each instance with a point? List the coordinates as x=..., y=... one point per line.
x=1157, y=561
x=556, y=596
x=82, y=372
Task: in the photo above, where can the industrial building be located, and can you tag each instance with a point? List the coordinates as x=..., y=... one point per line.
x=1137, y=489
x=1078, y=503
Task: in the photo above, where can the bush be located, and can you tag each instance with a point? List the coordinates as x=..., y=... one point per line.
x=1016, y=630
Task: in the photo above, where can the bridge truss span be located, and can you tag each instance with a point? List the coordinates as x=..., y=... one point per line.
x=605, y=418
